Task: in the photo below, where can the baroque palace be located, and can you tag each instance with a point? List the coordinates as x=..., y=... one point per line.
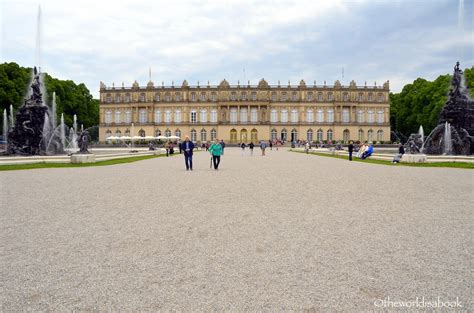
x=247, y=113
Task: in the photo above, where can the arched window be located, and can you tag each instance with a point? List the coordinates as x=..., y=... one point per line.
x=233, y=135
x=370, y=116
x=320, y=116
x=118, y=133
x=213, y=134
x=108, y=133
x=108, y=117
x=127, y=97
x=294, y=96
x=330, y=116
x=157, y=97
x=142, y=97
x=233, y=96
x=193, y=96
x=345, y=96
x=274, y=134
x=193, y=117
x=203, y=96
x=360, y=116
x=157, y=116
x=243, y=96
x=168, y=97
x=167, y=132
x=178, y=116
x=284, y=116
x=193, y=135
x=380, y=97
x=214, y=116
x=370, y=97
x=243, y=135
x=177, y=96
x=108, y=98
x=329, y=135
x=319, y=135
x=284, y=96
x=309, y=135
x=142, y=116
x=203, y=135
x=370, y=135
x=157, y=132
x=203, y=116
x=274, y=96
x=330, y=96
x=254, y=135
x=243, y=115
x=346, y=135
x=167, y=116
x=294, y=135
x=360, y=97
x=345, y=116
x=253, y=115
x=309, y=116
x=213, y=96
x=178, y=133
x=379, y=135
x=127, y=132
x=118, y=98
x=294, y=116
x=380, y=117
x=309, y=96
x=254, y=96
x=233, y=115
x=118, y=116
x=320, y=96
x=360, y=135
x=273, y=116
x=284, y=135
x=141, y=133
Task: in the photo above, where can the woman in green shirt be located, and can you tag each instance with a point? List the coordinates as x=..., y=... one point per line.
x=216, y=151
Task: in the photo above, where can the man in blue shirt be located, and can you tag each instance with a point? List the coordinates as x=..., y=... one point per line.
x=188, y=147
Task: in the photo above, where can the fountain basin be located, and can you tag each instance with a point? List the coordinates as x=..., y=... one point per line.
x=82, y=158
x=413, y=158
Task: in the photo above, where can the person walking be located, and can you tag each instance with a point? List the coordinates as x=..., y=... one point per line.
x=167, y=147
x=216, y=150
x=188, y=147
x=242, y=146
x=251, y=145
x=263, y=146
x=307, y=147
x=271, y=145
x=223, y=146
x=351, y=149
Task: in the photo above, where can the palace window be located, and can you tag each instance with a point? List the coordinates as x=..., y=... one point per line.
x=193, y=96
x=141, y=133
x=254, y=96
x=233, y=115
x=346, y=135
x=319, y=135
x=167, y=133
x=284, y=135
x=157, y=116
x=243, y=115
x=371, y=97
x=360, y=116
x=253, y=115
x=118, y=133
x=193, y=118
x=157, y=97
x=178, y=117
x=380, y=97
x=168, y=116
x=360, y=97
x=108, y=98
x=193, y=135
x=309, y=135
x=178, y=133
x=233, y=96
x=284, y=116
x=274, y=96
x=320, y=96
x=108, y=117
x=274, y=134
x=309, y=97
x=142, y=97
x=345, y=97
x=294, y=96
x=294, y=116
x=254, y=135
x=320, y=116
x=370, y=116
x=213, y=96
x=118, y=117
x=330, y=96
x=203, y=135
x=177, y=96
x=284, y=96
x=203, y=96
x=203, y=116
x=329, y=135
x=233, y=135
x=360, y=135
x=345, y=116
x=127, y=97
x=213, y=116
x=118, y=98
x=108, y=133
x=142, y=116
x=273, y=116
x=380, y=117
x=294, y=134
x=370, y=135
x=128, y=117
x=244, y=96
x=213, y=134
x=379, y=135
x=309, y=116
x=157, y=132
x=168, y=97
x=330, y=116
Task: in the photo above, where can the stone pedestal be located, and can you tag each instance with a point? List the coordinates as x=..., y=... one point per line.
x=413, y=158
x=83, y=158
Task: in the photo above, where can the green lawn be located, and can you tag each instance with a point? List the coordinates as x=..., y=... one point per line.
x=389, y=163
x=100, y=163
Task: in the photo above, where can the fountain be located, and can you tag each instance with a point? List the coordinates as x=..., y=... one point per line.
x=62, y=131
x=12, y=119
x=5, y=127
x=455, y=131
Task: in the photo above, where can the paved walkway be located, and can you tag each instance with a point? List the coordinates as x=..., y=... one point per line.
x=287, y=231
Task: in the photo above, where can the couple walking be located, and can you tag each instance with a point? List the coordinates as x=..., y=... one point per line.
x=215, y=150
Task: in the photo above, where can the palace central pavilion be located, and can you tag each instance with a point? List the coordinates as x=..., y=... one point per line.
x=237, y=113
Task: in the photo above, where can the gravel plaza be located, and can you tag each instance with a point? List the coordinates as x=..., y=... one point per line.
x=287, y=231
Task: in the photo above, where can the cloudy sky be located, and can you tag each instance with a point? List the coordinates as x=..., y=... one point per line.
x=200, y=40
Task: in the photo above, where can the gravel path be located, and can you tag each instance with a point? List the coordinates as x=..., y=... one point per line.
x=287, y=231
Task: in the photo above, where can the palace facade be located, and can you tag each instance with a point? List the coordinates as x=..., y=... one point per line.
x=247, y=113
